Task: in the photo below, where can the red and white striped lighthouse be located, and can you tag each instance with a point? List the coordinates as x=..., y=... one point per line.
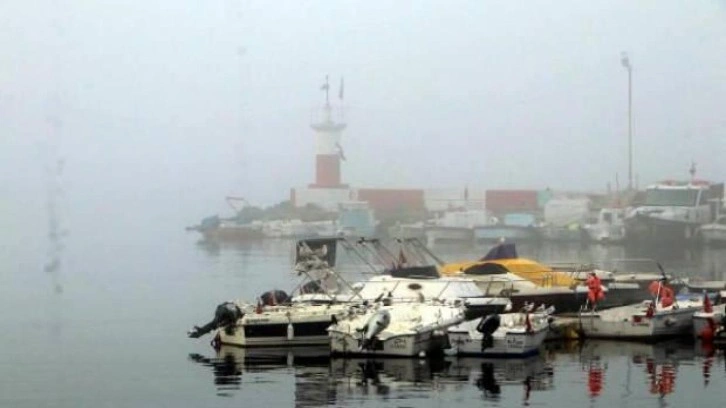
x=329, y=153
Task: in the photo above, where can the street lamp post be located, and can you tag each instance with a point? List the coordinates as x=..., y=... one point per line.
x=626, y=63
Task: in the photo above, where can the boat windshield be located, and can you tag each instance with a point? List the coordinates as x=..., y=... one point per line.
x=675, y=197
x=413, y=272
x=487, y=268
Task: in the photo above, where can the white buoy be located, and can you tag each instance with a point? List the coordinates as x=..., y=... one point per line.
x=290, y=331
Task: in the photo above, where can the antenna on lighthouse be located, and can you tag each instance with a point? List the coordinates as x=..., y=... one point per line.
x=326, y=87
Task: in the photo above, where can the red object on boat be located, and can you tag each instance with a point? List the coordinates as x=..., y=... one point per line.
x=666, y=297
x=594, y=289
x=666, y=293
x=707, y=306
x=651, y=310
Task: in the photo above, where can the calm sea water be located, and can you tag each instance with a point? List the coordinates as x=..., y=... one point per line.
x=115, y=336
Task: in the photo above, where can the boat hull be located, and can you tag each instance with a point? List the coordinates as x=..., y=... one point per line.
x=448, y=234
x=644, y=229
x=232, y=233
x=565, y=234
x=282, y=328
x=405, y=345
x=713, y=236
x=606, y=235
x=508, y=341
x=629, y=323
x=476, y=307
x=564, y=300
x=399, y=330
x=700, y=319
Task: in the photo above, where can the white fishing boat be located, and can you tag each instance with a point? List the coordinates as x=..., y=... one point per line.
x=673, y=211
x=399, y=289
x=707, y=320
x=405, y=281
x=275, y=319
x=609, y=228
x=714, y=234
x=647, y=321
x=248, y=325
x=400, y=329
x=506, y=335
x=456, y=226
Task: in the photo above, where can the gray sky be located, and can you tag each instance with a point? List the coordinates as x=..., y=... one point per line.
x=162, y=102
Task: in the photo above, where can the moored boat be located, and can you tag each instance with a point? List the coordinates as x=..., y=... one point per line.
x=673, y=212
x=506, y=335
x=513, y=227
x=707, y=320
x=269, y=325
x=665, y=316
x=456, y=226
x=275, y=319
x=714, y=234
x=400, y=329
x=405, y=280
x=525, y=281
x=609, y=227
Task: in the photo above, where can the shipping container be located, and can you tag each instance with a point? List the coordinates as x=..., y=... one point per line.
x=504, y=201
x=392, y=200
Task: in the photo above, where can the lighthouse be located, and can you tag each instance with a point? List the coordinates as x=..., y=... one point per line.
x=329, y=153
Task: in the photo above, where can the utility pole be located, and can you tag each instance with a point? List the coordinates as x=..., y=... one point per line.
x=626, y=63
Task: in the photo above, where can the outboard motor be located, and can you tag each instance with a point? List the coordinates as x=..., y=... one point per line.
x=376, y=324
x=226, y=314
x=274, y=297
x=487, y=326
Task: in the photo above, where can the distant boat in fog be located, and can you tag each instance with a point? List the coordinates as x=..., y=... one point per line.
x=354, y=218
x=673, y=212
x=519, y=227
x=457, y=226
x=609, y=227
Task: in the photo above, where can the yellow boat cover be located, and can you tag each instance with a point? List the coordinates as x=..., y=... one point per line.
x=525, y=268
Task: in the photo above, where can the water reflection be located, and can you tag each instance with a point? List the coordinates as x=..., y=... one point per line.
x=655, y=365
x=604, y=371
x=490, y=375
x=229, y=363
x=321, y=380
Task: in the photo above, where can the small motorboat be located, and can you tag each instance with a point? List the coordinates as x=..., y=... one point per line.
x=506, y=335
x=404, y=329
x=714, y=234
x=277, y=319
x=247, y=325
x=664, y=316
x=707, y=321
